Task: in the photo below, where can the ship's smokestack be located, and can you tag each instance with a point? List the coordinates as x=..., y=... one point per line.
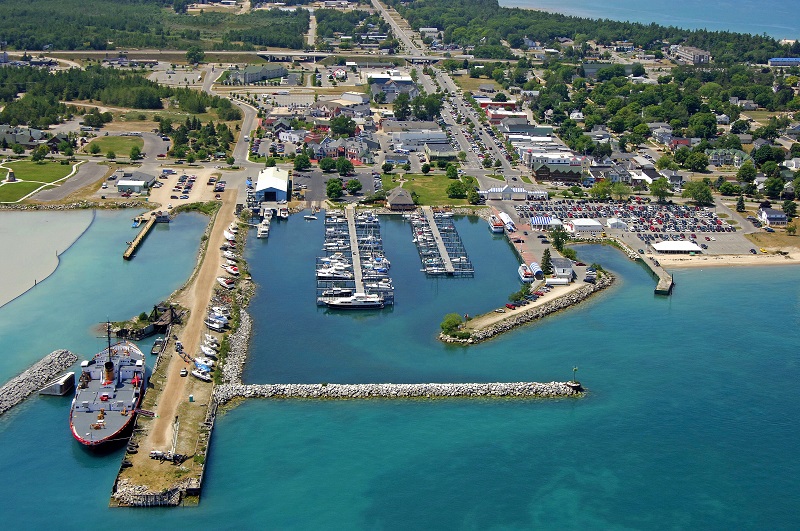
x=109, y=367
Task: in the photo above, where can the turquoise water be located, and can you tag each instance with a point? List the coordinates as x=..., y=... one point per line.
x=690, y=422
x=777, y=18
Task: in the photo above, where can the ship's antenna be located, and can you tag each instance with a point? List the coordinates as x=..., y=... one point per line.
x=108, y=337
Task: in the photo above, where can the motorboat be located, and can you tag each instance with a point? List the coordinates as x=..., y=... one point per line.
x=358, y=301
x=201, y=375
x=229, y=235
x=263, y=228
x=158, y=346
x=211, y=340
x=229, y=255
x=208, y=351
x=338, y=292
x=525, y=274
x=309, y=217
x=327, y=273
x=233, y=270
x=283, y=213
x=216, y=317
x=226, y=282
x=496, y=225
x=221, y=310
x=208, y=362
x=214, y=325
x=233, y=228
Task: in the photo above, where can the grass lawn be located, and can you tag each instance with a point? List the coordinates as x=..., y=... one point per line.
x=429, y=188
x=11, y=192
x=48, y=172
x=471, y=84
x=761, y=117
x=120, y=145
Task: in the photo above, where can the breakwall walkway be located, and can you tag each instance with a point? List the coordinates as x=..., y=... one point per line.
x=34, y=378
x=227, y=392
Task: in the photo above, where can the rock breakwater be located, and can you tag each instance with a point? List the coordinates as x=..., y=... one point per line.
x=237, y=355
x=227, y=392
x=34, y=378
x=537, y=312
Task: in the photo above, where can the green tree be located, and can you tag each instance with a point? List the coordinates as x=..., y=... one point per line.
x=559, y=236
x=387, y=167
x=343, y=125
x=451, y=323
x=111, y=155
x=773, y=187
x=601, y=190
x=789, y=208
x=740, y=204
x=17, y=149
x=696, y=162
x=462, y=155
x=344, y=167
x=456, y=189
x=547, y=267
x=195, y=55
x=791, y=229
x=270, y=162
x=451, y=172
x=302, y=162
x=190, y=158
x=661, y=189
x=353, y=186
x=94, y=149
x=473, y=197
x=402, y=106
x=747, y=172
x=230, y=160
x=39, y=153
x=136, y=153
x=620, y=190
x=334, y=189
x=728, y=188
x=327, y=164
x=426, y=168
x=740, y=127
x=698, y=191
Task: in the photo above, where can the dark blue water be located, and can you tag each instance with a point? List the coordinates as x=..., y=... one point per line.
x=690, y=421
x=776, y=18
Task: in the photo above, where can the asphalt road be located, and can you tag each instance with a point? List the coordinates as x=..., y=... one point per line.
x=88, y=173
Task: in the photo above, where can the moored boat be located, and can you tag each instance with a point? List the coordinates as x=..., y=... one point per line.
x=109, y=391
x=226, y=282
x=231, y=269
x=359, y=301
x=495, y=224
x=525, y=274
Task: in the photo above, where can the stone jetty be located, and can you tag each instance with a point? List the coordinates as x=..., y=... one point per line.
x=34, y=378
x=537, y=312
x=237, y=355
x=227, y=392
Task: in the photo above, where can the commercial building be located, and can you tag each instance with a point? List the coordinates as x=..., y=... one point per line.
x=584, y=227
x=252, y=74
x=272, y=185
x=772, y=218
x=690, y=54
x=784, y=61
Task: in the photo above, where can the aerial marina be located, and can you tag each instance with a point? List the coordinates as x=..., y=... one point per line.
x=354, y=271
x=440, y=248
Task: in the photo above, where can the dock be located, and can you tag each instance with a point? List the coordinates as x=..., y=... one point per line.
x=137, y=241
x=350, y=215
x=437, y=237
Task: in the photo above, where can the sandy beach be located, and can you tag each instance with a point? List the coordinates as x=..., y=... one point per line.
x=729, y=260
x=44, y=236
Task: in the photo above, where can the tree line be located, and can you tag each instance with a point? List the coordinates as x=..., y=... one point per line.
x=44, y=94
x=485, y=23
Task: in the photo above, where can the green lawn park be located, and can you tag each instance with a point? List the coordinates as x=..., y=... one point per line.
x=429, y=188
x=120, y=145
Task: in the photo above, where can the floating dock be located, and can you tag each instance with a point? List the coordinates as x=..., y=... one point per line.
x=137, y=241
x=60, y=386
x=440, y=248
x=350, y=214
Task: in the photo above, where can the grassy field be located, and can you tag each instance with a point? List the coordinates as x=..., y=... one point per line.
x=429, y=188
x=12, y=192
x=48, y=172
x=120, y=145
x=471, y=84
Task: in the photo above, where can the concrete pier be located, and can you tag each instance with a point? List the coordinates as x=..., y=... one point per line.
x=350, y=214
x=34, y=378
x=226, y=392
x=437, y=237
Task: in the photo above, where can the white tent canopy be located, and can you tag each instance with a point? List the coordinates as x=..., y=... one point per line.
x=616, y=223
x=677, y=247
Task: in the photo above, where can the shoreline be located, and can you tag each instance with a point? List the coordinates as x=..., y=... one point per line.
x=729, y=260
x=38, y=264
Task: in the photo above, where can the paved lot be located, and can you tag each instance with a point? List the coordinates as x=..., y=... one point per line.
x=88, y=174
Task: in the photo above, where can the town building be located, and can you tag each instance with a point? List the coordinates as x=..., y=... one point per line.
x=399, y=199
x=272, y=185
x=254, y=73
x=690, y=54
x=772, y=218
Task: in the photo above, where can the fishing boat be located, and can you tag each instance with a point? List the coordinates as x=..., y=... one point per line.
x=359, y=301
x=496, y=225
x=110, y=389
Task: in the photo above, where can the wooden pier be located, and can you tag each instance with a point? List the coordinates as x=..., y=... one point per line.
x=437, y=237
x=350, y=214
x=665, y=282
x=137, y=241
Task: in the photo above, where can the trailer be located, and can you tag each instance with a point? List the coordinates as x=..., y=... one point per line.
x=556, y=281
